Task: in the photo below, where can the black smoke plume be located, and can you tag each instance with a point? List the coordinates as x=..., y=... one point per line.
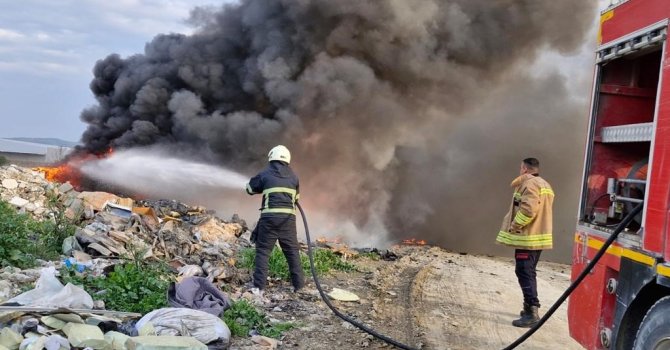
x=404, y=117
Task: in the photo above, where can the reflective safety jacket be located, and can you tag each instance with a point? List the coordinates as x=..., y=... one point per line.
x=279, y=186
x=528, y=224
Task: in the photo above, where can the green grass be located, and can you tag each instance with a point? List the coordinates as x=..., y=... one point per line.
x=242, y=317
x=23, y=239
x=131, y=287
x=3, y=160
x=324, y=261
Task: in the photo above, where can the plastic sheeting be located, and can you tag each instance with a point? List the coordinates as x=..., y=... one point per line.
x=49, y=292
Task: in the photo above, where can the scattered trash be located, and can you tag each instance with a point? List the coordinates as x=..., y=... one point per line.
x=83, y=335
x=177, y=321
x=49, y=292
x=343, y=295
x=199, y=294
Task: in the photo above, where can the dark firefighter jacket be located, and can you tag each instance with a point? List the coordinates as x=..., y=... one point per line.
x=279, y=186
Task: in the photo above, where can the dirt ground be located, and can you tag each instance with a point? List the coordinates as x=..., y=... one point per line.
x=429, y=299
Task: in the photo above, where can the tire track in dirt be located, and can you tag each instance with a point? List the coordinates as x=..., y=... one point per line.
x=394, y=303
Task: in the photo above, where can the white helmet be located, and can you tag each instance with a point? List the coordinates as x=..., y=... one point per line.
x=279, y=153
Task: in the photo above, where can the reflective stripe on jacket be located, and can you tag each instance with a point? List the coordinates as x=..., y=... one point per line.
x=279, y=186
x=528, y=223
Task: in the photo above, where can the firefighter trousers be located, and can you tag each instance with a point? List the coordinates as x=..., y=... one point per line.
x=269, y=230
x=526, y=264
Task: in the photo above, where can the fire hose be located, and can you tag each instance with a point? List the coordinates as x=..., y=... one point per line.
x=624, y=223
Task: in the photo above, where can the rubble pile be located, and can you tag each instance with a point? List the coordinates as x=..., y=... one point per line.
x=192, y=239
x=38, y=312
x=25, y=189
x=110, y=230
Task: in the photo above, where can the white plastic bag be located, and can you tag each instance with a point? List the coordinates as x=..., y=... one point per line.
x=205, y=327
x=49, y=292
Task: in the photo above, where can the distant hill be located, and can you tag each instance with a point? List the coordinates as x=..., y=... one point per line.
x=46, y=141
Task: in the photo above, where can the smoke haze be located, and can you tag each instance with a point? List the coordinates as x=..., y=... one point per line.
x=405, y=118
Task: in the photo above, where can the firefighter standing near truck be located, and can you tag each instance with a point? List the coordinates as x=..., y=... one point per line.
x=279, y=186
x=527, y=227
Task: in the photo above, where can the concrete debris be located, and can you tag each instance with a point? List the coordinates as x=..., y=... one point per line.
x=53, y=322
x=10, y=338
x=116, y=340
x=65, y=188
x=6, y=290
x=83, y=335
x=18, y=202
x=10, y=184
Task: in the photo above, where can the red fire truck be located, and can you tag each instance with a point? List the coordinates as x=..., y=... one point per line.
x=624, y=303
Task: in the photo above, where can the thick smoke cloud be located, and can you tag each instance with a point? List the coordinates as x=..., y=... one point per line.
x=389, y=106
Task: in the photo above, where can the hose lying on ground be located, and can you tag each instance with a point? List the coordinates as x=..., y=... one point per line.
x=523, y=337
x=330, y=305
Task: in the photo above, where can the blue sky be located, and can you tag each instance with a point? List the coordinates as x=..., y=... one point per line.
x=49, y=47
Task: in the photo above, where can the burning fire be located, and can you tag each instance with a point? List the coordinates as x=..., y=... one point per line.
x=69, y=171
x=324, y=240
x=413, y=241
x=62, y=173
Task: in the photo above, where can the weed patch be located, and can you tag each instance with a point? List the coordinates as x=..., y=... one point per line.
x=23, y=239
x=131, y=287
x=324, y=261
x=243, y=317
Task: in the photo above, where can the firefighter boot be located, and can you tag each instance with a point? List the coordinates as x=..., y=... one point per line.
x=523, y=311
x=529, y=318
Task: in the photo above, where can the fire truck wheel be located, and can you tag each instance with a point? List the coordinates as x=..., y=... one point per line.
x=654, y=332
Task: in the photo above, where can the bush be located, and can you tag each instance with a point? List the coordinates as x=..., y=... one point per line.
x=3, y=160
x=131, y=287
x=23, y=239
x=243, y=317
x=324, y=261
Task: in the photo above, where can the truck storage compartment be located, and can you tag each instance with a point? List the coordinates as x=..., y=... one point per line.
x=622, y=129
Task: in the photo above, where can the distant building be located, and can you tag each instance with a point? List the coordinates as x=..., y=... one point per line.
x=31, y=154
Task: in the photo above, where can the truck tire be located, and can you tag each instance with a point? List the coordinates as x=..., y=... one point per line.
x=654, y=332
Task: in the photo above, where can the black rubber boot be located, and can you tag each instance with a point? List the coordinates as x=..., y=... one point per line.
x=523, y=311
x=529, y=318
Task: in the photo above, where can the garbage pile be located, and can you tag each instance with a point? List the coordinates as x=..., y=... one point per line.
x=53, y=321
x=111, y=230
x=200, y=248
x=191, y=239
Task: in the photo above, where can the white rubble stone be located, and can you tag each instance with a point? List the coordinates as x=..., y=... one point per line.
x=18, y=202
x=10, y=184
x=5, y=290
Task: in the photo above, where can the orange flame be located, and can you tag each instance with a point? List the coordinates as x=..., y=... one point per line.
x=62, y=174
x=69, y=171
x=413, y=241
x=324, y=240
